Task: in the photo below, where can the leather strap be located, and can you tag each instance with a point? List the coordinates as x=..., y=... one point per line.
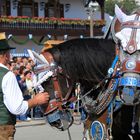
x=135, y=69
x=59, y=100
x=131, y=24
x=53, y=105
x=132, y=44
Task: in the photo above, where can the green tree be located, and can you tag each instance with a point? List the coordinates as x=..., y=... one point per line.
x=127, y=5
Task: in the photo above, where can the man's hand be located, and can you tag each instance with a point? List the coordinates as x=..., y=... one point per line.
x=39, y=99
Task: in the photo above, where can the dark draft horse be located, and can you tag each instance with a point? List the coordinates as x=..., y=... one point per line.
x=108, y=75
x=86, y=61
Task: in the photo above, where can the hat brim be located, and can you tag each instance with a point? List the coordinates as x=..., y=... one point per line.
x=5, y=46
x=10, y=48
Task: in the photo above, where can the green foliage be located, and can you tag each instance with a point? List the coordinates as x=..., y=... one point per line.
x=127, y=5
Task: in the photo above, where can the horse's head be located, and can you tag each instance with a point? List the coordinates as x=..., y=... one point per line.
x=59, y=88
x=129, y=34
x=129, y=43
x=85, y=61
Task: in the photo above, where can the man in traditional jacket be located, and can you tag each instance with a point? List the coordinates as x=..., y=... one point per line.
x=11, y=99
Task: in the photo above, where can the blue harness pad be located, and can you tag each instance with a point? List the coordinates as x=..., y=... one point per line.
x=129, y=81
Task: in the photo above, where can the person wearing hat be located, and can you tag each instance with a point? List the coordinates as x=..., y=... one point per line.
x=11, y=99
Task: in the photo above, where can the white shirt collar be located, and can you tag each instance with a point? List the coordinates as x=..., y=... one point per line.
x=1, y=65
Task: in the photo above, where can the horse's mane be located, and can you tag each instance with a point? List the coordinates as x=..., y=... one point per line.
x=87, y=59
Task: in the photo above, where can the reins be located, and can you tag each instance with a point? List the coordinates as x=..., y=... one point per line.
x=92, y=89
x=107, y=78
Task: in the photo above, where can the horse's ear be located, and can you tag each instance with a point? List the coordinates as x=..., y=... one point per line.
x=120, y=14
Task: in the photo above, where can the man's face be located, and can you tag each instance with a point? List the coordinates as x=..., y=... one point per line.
x=7, y=57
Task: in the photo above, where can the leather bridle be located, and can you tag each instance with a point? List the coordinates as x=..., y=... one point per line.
x=130, y=65
x=59, y=100
x=132, y=44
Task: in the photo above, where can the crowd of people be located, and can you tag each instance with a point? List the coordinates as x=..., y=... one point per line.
x=23, y=68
